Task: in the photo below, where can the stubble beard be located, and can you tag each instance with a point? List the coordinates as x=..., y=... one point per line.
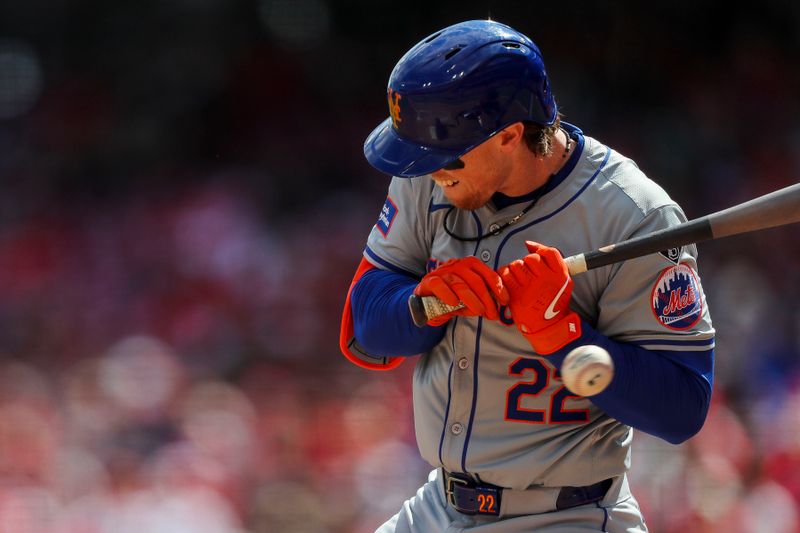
x=475, y=196
x=471, y=199
x=470, y=203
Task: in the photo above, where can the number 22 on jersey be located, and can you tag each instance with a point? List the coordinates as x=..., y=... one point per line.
x=555, y=411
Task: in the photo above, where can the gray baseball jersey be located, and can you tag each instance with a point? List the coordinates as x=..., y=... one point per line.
x=484, y=402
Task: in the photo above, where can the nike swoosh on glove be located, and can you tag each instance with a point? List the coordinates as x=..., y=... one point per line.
x=466, y=280
x=540, y=290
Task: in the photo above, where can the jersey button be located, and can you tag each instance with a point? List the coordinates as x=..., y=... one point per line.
x=494, y=228
x=463, y=363
x=456, y=428
x=486, y=255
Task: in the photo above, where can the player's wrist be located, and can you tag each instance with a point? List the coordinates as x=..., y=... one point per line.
x=555, y=336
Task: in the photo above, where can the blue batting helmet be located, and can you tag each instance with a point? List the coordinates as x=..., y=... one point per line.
x=455, y=89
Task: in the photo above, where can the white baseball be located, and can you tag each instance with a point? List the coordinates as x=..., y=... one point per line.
x=587, y=370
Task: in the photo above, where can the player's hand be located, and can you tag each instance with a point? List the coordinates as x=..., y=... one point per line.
x=540, y=288
x=466, y=280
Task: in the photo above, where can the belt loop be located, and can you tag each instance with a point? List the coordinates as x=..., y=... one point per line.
x=574, y=496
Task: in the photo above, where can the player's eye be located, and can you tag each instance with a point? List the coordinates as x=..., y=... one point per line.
x=455, y=164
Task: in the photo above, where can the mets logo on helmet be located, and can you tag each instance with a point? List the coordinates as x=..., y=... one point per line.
x=677, y=299
x=394, y=107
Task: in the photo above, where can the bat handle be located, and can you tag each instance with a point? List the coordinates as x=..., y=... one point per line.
x=576, y=264
x=425, y=308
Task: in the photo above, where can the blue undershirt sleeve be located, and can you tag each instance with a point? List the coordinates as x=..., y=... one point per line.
x=381, y=320
x=663, y=393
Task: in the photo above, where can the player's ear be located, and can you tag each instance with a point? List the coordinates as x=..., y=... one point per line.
x=510, y=136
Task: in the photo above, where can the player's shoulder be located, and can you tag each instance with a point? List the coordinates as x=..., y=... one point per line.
x=419, y=190
x=621, y=178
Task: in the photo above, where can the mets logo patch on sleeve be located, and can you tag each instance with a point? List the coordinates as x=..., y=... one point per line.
x=387, y=216
x=677, y=299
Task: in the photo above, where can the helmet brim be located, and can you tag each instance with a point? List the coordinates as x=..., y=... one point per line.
x=390, y=153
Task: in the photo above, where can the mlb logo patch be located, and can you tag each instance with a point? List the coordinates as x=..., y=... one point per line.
x=677, y=299
x=387, y=216
x=673, y=254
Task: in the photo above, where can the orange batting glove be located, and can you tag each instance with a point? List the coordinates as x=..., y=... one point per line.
x=540, y=288
x=466, y=280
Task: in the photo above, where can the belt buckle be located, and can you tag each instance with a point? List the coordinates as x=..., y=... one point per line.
x=482, y=499
x=449, y=481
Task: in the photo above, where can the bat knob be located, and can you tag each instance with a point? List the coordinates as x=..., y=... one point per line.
x=417, y=309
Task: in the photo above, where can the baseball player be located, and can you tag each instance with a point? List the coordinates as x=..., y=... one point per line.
x=490, y=191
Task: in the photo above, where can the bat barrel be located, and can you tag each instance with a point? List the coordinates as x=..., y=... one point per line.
x=768, y=211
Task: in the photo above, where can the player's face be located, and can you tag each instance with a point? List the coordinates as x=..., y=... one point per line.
x=485, y=171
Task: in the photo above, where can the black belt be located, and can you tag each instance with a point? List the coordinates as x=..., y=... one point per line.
x=468, y=497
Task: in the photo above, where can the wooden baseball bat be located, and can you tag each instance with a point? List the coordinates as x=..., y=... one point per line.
x=771, y=210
